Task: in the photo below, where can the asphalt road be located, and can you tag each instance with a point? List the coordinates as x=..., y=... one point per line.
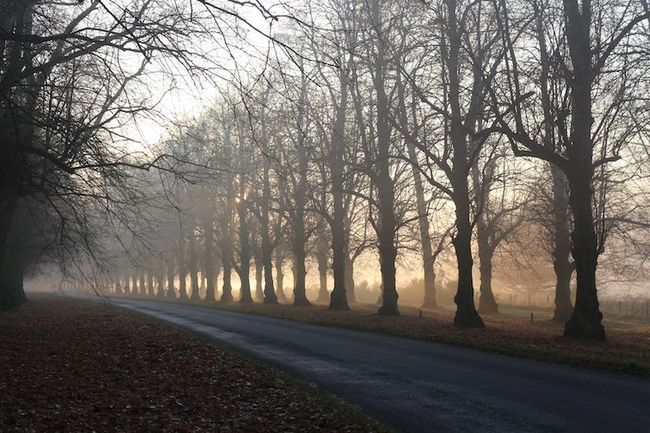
x=417, y=386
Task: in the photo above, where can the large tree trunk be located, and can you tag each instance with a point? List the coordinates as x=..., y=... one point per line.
x=194, y=271
x=300, y=289
x=384, y=181
x=150, y=283
x=425, y=235
x=267, y=249
x=171, y=290
x=322, y=260
x=226, y=291
x=12, y=293
x=349, y=280
x=160, y=283
x=487, y=304
x=561, y=248
x=142, y=282
x=299, y=237
x=279, y=276
x=226, y=263
x=244, y=255
x=259, y=274
x=338, y=298
x=466, y=314
x=209, y=260
x=560, y=200
x=182, y=268
x=127, y=283
x=586, y=319
x=11, y=274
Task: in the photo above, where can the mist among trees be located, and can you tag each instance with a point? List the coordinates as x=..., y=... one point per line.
x=311, y=152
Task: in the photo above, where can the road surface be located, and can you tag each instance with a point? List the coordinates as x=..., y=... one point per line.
x=416, y=386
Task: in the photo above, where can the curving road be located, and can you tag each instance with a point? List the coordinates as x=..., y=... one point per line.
x=417, y=386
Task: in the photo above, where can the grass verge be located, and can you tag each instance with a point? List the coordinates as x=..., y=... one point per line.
x=511, y=333
x=77, y=366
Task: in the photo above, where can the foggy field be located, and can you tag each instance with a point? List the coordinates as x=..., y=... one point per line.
x=460, y=187
x=80, y=366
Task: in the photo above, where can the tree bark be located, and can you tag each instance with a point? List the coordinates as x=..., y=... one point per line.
x=194, y=277
x=299, y=236
x=487, y=304
x=171, y=290
x=425, y=234
x=338, y=298
x=586, y=319
x=561, y=248
x=209, y=260
x=279, y=276
x=226, y=263
x=267, y=249
x=384, y=181
x=466, y=314
x=259, y=274
x=244, y=254
x=349, y=280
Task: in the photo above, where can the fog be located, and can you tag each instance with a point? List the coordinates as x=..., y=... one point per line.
x=456, y=155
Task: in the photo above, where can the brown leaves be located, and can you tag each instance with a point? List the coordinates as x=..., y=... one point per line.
x=77, y=366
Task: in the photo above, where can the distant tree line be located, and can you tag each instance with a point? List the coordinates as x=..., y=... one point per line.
x=475, y=126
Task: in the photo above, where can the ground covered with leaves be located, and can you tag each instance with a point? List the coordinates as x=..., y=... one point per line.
x=512, y=332
x=69, y=365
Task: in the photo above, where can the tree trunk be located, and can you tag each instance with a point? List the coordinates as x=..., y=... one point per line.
x=244, y=255
x=485, y=239
x=384, y=181
x=150, y=283
x=12, y=293
x=349, y=280
x=300, y=289
x=561, y=248
x=226, y=263
x=194, y=277
x=279, y=276
x=323, y=294
x=160, y=284
x=299, y=237
x=267, y=249
x=171, y=290
x=142, y=283
x=338, y=298
x=586, y=319
x=486, y=302
x=259, y=273
x=182, y=269
x=425, y=235
x=209, y=260
x=466, y=314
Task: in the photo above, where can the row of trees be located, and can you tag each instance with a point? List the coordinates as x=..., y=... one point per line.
x=368, y=126
x=74, y=78
x=414, y=126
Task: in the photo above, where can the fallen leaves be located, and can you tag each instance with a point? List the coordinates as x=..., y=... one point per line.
x=76, y=366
